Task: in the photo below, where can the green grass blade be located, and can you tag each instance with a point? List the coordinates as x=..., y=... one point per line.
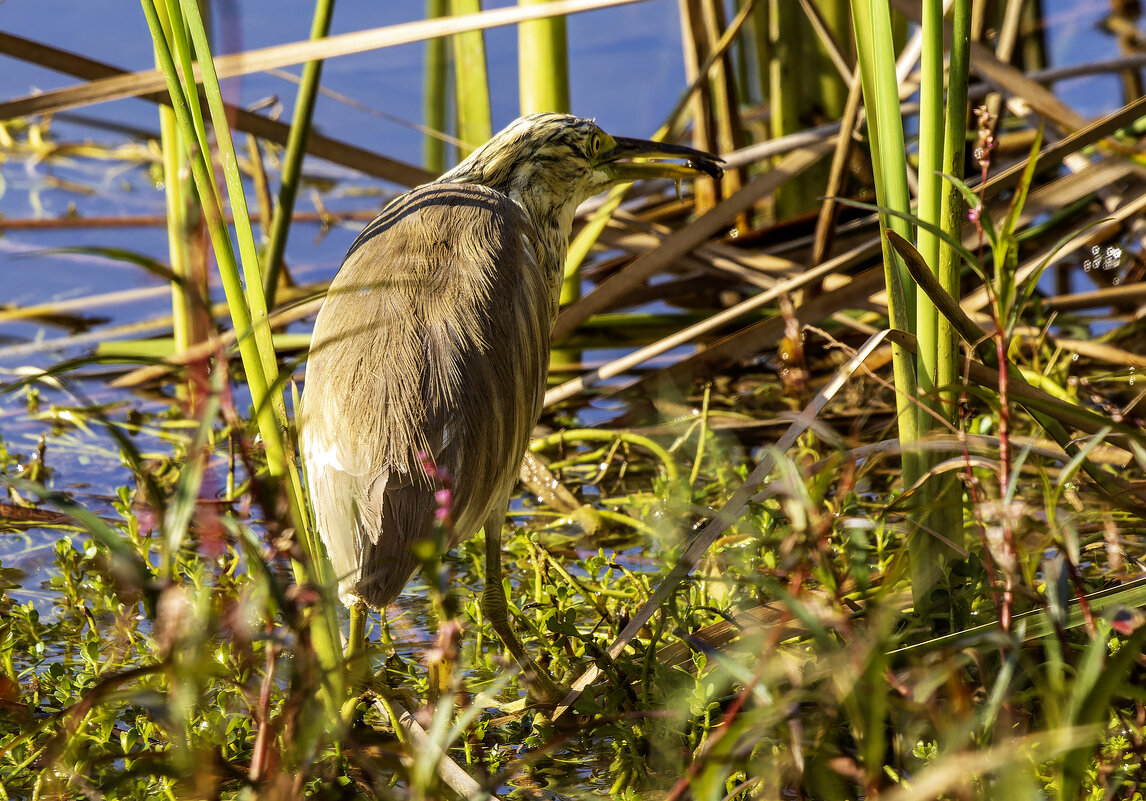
x=295, y=150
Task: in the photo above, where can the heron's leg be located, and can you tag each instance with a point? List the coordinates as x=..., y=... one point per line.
x=496, y=609
x=355, y=650
x=356, y=639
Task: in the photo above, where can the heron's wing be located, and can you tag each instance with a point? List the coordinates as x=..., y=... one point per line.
x=431, y=348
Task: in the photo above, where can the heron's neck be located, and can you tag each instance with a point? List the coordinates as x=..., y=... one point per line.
x=549, y=196
x=553, y=225
x=551, y=212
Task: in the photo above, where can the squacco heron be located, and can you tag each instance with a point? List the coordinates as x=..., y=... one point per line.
x=430, y=354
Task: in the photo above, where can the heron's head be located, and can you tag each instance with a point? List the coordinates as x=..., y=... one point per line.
x=550, y=163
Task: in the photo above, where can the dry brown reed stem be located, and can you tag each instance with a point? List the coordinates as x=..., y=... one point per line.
x=149, y=81
x=222, y=342
x=152, y=326
x=1108, y=354
x=978, y=444
x=1107, y=296
x=692, y=41
x=635, y=235
x=676, y=118
x=716, y=321
x=157, y=221
x=1056, y=152
x=284, y=315
x=826, y=220
x=324, y=147
x=761, y=335
x=448, y=771
x=1004, y=51
x=725, y=103
x=613, y=291
x=85, y=303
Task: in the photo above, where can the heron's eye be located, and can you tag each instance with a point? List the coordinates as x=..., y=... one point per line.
x=594, y=147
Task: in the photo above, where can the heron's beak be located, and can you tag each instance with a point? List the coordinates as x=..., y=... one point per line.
x=696, y=163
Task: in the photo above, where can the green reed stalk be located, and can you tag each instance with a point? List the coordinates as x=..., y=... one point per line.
x=437, y=86
x=543, y=63
x=946, y=497
x=804, y=82
x=761, y=47
x=174, y=159
x=938, y=503
x=930, y=193
x=784, y=34
x=471, y=80
x=295, y=150
x=256, y=351
x=876, y=52
x=954, y=145
x=189, y=116
x=256, y=300
x=543, y=84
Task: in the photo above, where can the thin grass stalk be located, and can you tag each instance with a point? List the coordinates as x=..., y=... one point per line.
x=471, y=79
x=271, y=424
x=876, y=54
x=437, y=90
x=829, y=209
x=295, y=151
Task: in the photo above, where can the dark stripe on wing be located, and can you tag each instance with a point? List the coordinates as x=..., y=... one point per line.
x=417, y=199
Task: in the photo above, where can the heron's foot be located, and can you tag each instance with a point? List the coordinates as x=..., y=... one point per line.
x=541, y=688
x=540, y=685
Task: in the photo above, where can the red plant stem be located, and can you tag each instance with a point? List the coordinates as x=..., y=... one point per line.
x=973, y=490
x=262, y=715
x=1080, y=593
x=681, y=787
x=1005, y=479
